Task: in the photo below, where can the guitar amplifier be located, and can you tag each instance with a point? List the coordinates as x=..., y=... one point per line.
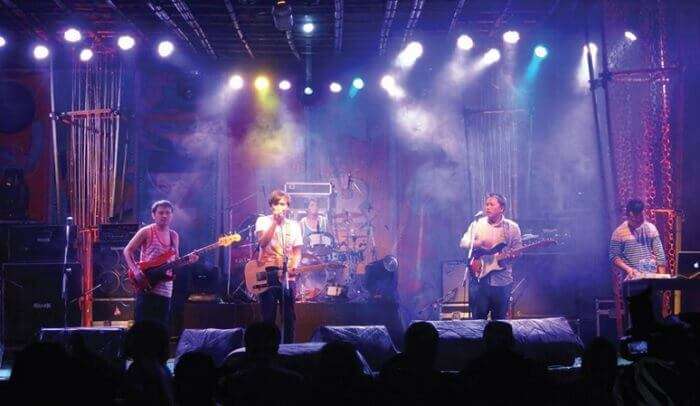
x=452, y=277
x=40, y=243
x=117, y=233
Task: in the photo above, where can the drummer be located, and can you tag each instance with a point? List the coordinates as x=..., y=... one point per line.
x=313, y=223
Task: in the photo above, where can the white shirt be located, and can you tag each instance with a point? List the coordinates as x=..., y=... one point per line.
x=286, y=237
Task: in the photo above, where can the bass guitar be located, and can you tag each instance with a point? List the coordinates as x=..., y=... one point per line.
x=258, y=279
x=484, y=261
x=160, y=268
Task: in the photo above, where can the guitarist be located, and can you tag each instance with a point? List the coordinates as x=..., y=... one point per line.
x=154, y=240
x=491, y=293
x=280, y=239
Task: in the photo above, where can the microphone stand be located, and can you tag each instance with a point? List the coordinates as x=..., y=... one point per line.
x=66, y=271
x=469, y=255
x=285, y=287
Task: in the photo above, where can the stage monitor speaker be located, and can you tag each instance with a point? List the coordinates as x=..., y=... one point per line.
x=107, y=342
x=452, y=276
x=373, y=342
x=550, y=341
x=113, y=312
x=39, y=243
x=215, y=342
x=31, y=299
x=109, y=272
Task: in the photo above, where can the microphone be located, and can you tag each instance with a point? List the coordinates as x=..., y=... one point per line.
x=478, y=214
x=349, y=180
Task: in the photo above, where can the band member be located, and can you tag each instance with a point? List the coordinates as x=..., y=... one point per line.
x=313, y=222
x=153, y=240
x=635, y=245
x=491, y=293
x=280, y=240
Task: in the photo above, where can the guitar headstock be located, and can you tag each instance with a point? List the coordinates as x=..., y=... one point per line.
x=228, y=239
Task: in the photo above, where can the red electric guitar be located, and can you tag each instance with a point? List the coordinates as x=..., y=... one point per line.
x=159, y=269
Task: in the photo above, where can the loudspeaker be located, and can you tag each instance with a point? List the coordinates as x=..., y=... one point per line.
x=109, y=271
x=107, y=342
x=550, y=341
x=373, y=342
x=217, y=343
x=39, y=243
x=31, y=299
x=452, y=276
x=113, y=312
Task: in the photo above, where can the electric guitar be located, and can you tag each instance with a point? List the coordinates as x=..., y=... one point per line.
x=159, y=269
x=257, y=278
x=484, y=261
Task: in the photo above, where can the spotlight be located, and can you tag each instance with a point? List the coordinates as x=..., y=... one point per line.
x=72, y=35
x=308, y=28
x=86, y=54
x=358, y=83
x=3, y=42
x=388, y=82
x=335, y=87
x=492, y=56
x=465, y=42
x=593, y=47
x=410, y=54
x=282, y=15
x=41, y=52
x=308, y=91
x=261, y=83
x=630, y=36
x=511, y=37
x=126, y=42
x=285, y=85
x=235, y=82
x=541, y=51
x=165, y=49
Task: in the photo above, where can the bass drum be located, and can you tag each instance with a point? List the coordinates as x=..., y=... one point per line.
x=319, y=244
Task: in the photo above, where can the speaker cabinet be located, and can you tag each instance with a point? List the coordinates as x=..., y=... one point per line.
x=109, y=272
x=32, y=299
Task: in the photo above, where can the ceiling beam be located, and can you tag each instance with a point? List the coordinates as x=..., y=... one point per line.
x=28, y=20
x=290, y=41
x=389, y=14
x=237, y=28
x=338, y=32
x=416, y=10
x=190, y=19
x=165, y=18
x=502, y=18
x=123, y=16
x=455, y=15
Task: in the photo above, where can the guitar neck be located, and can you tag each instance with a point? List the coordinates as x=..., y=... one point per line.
x=183, y=260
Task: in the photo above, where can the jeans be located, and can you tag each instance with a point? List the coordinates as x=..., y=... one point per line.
x=269, y=300
x=153, y=308
x=484, y=298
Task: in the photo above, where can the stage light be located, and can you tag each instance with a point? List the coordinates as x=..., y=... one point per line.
x=410, y=54
x=511, y=37
x=3, y=42
x=235, y=82
x=630, y=36
x=282, y=15
x=592, y=46
x=86, y=54
x=285, y=85
x=541, y=51
x=308, y=28
x=308, y=91
x=262, y=83
x=72, y=35
x=465, y=42
x=388, y=82
x=165, y=49
x=126, y=42
x=358, y=83
x=41, y=52
x=492, y=56
x=335, y=87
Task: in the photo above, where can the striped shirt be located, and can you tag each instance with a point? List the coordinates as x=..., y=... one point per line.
x=641, y=249
x=152, y=248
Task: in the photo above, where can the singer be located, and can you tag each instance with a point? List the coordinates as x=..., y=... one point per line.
x=280, y=252
x=488, y=229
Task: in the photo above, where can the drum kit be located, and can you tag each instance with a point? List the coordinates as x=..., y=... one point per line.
x=348, y=241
